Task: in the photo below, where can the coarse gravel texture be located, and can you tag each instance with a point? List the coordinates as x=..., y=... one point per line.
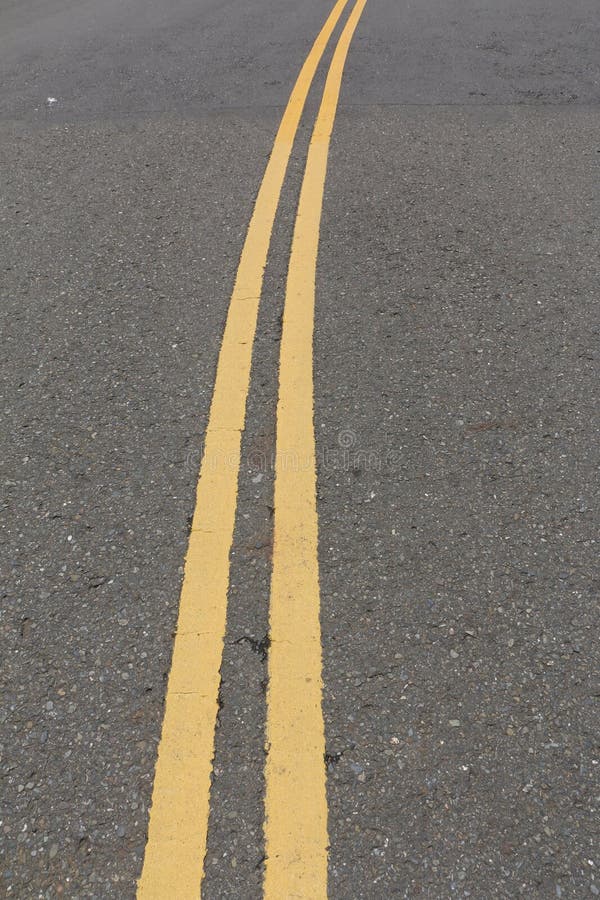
x=456, y=381
x=112, y=309
x=457, y=409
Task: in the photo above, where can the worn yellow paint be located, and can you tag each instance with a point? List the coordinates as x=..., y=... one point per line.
x=174, y=857
x=296, y=802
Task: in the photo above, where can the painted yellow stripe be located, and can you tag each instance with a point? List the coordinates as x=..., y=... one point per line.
x=174, y=858
x=296, y=802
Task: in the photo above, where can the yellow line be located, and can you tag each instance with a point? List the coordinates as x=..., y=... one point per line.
x=174, y=858
x=296, y=802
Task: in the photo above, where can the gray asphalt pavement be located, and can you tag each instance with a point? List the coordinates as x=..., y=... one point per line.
x=457, y=418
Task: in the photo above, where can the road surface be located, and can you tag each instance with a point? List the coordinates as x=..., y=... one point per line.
x=377, y=673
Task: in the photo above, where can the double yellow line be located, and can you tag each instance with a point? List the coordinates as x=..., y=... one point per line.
x=296, y=804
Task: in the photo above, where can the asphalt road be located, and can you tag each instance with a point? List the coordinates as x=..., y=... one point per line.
x=457, y=417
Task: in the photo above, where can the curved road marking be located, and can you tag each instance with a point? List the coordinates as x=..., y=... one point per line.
x=296, y=801
x=174, y=858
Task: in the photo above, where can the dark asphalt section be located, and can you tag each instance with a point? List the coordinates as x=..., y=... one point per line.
x=457, y=422
x=457, y=364
x=105, y=58
x=462, y=51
